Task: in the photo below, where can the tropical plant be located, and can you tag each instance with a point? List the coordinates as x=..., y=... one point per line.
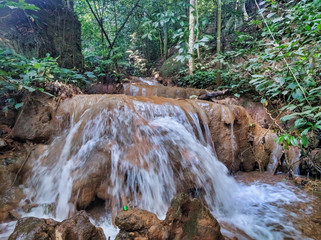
x=18, y=72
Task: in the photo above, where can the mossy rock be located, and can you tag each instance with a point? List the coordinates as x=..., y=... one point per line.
x=171, y=67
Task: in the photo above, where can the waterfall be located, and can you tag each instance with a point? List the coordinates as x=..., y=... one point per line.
x=141, y=153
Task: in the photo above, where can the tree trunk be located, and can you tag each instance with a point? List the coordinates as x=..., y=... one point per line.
x=191, y=38
x=161, y=45
x=165, y=41
x=245, y=14
x=218, y=46
x=198, y=29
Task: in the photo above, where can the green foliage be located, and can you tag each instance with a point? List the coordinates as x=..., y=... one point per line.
x=25, y=72
x=283, y=65
x=296, y=55
x=17, y=72
x=20, y=4
x=200, y=79
x=99, y=57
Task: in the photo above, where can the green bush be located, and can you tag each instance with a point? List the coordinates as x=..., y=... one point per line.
x=18, y=72
x=200, y=79
x=283, y=65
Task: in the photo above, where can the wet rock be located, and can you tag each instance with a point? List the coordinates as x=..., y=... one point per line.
x=185, y=219
x=240, y=142
x=137, y=223
x=35, y=122
x=136, y=219
x=10, y=196
x=191, y=219
x=9, y=201
x=139, y=89
x=256, y=110
x=32, y=228
x=76, y=228
x=99, y=88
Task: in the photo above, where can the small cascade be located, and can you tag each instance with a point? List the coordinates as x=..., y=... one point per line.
x=148, y=89
x=141, y=152
x=275, y=157
x=233, y=142
x=151, y=82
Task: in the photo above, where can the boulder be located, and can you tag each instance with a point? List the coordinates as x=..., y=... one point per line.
x=9, y=201
x=32, y=228
x=36, y=122
x=53, y=29
x=191, y=219
x=10, y=194
x=240, y=142
x=185, y=219
x=256, y=110
x=171, y=67
x=76, y=228
x=138, y=223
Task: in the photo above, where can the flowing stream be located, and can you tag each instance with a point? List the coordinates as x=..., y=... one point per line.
x=141, y=153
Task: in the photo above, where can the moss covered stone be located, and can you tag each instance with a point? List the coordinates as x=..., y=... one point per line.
x=171, y=67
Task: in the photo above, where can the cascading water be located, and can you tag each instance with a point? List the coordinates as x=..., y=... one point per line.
x=143, y=153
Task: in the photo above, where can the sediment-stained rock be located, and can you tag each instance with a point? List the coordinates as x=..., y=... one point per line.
x=76, y=228
x=185, y=219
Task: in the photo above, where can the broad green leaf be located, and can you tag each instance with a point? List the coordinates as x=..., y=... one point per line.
x=258, y=76
x=270, y=15
x=317, y=115
x=30, y=89
x=275, y=20
x=37, y=65
x=280, y=139
x=294, y=141
x=18, y=105
x=5, y=109
x=297, y=94
x=305, y=131
x=289, y=117
x=300, y=122
x=280, y=80
x=304, y=141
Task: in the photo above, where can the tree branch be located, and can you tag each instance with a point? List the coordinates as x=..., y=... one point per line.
x=123, y=25
x=101, y=26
